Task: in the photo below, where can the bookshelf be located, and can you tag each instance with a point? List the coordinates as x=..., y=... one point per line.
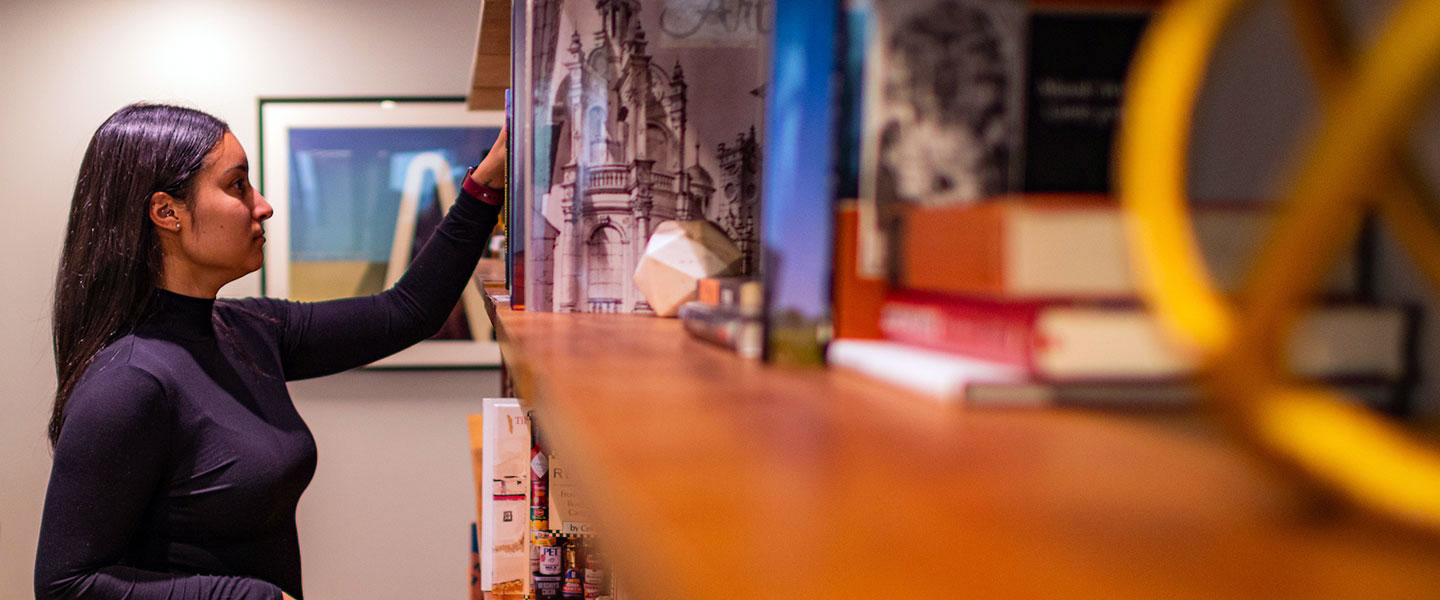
x=716, y=477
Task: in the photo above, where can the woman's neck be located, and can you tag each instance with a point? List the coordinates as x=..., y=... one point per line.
x=181, y=278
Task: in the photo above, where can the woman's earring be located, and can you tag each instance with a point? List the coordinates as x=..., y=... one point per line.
x=177, y=226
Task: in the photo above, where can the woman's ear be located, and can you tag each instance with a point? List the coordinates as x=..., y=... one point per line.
x=165, y=211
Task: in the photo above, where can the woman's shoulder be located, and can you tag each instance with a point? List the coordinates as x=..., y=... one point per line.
x=264, y=311
x=126, y=358
x=121, y=378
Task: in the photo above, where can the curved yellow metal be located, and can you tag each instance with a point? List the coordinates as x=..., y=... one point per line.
x=1408, y=204
x=1348, y=450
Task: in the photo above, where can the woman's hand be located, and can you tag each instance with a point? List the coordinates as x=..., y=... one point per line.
x=285, y=596
x=491, y=172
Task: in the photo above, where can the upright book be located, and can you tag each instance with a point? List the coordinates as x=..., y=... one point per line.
x=799, y=197
x=641, y=111
x=519, y=157
x=504, y=556
x=972, y=99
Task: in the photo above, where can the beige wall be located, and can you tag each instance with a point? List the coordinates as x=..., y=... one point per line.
x=387, y=514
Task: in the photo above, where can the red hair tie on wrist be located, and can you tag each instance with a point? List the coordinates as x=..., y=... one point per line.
x=481, y=192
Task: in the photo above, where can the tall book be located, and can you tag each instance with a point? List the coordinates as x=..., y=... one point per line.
x=972, y=99
x=514, y=210
x=855, y=297
x=855, y=30
x=799, y=188
x=640, y=112
x=504, y=528
x=517, y=165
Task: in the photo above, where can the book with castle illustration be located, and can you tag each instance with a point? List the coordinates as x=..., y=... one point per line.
x=640, y=112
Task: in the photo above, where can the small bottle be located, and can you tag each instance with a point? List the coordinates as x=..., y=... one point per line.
x=539, y=481
x=596, y=586
x=547, y=573
x=572, y=588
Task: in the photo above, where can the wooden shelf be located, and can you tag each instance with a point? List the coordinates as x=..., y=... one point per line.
x=490, y=69
x=721, y=478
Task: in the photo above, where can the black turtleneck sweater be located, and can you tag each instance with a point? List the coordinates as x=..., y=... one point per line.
x=182, y=458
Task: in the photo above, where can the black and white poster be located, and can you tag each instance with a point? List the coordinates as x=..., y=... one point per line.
x=944, y=84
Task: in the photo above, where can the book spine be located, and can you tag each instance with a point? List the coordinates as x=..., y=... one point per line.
x=857, y=298
x=1003, y=332
x=518, y=193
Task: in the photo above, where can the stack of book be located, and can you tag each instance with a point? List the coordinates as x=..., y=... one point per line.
x=987, y=260
x=727, y=311
x=1030, y=300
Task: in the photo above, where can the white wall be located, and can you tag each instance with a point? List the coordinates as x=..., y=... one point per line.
x=386, y=516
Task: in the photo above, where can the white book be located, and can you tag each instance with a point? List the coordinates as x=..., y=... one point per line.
x=929, y=372
x=505, y=502
x=979, y=383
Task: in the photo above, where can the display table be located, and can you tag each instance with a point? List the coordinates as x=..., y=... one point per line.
x=720, y=478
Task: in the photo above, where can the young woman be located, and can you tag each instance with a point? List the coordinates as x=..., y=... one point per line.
x=179, y=456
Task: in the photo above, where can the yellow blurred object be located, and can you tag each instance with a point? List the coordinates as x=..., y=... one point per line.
x=1354, y=163
x=1407, y=205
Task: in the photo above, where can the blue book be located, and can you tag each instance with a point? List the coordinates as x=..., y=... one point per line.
x=518, y=158
x=797, y=203
x=513, y=228
x=852, y=98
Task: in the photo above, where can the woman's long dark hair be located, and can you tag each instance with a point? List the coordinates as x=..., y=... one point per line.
x=110, y=265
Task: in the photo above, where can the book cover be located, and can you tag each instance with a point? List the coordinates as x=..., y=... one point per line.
x=971, y=99
x=1064, y=341
x=518, y=159
x=1077, y=54
x=570, y=510
x=856, y=25
x=797, y=228
x=943, y=112
x=505, y=561
x=641, y=111
x=513, y=211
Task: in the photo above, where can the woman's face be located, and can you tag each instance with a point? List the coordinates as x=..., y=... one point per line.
x=223, y=238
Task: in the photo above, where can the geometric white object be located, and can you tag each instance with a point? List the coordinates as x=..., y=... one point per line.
x=681, y=253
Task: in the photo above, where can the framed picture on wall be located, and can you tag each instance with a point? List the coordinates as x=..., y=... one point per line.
x=358, y=185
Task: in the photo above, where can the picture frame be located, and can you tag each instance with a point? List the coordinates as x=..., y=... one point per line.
x=356, y=185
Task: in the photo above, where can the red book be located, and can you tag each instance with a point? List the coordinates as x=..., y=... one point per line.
x=1067, y=341
x=858, y=298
